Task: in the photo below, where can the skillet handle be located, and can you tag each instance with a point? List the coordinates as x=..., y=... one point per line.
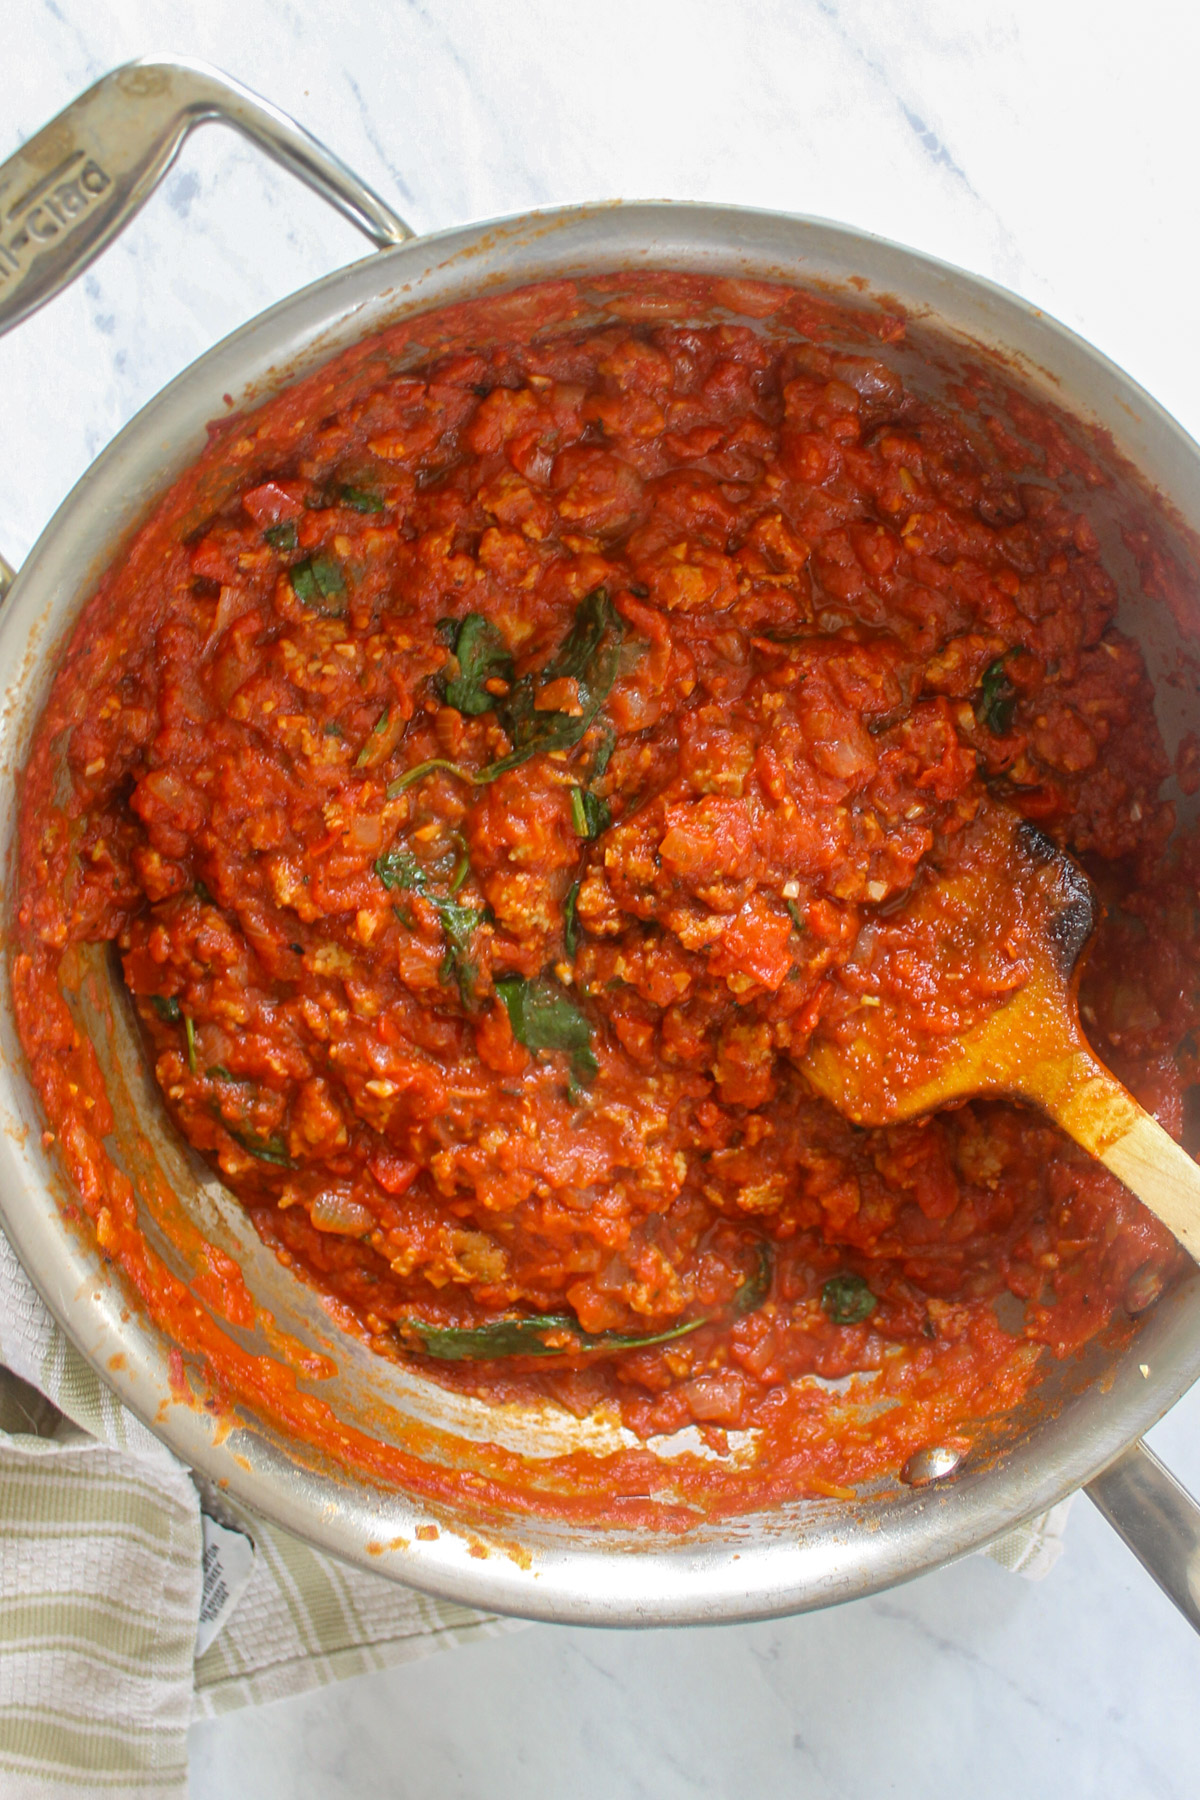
x=1159, y=1521
x=71, y=188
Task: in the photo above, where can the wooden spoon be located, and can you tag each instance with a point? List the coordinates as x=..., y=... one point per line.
x=969, y=987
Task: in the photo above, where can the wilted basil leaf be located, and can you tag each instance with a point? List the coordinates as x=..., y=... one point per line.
x=282, y=537
x=166, y=1008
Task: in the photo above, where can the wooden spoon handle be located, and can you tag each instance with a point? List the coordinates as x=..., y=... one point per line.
x=1162, y=1175
x=1091, y=1105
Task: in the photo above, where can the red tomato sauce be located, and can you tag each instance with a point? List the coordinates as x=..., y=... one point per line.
x=484, y=765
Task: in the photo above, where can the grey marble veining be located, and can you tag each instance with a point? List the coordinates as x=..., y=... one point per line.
x=1048, y=146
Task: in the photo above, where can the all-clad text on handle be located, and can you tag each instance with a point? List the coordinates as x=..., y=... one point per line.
x=68, y=191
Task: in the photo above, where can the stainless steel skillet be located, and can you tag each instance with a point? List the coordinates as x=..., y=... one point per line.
x=62, y=197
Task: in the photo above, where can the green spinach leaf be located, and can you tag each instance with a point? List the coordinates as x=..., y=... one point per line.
x=482, y=656
x=528, y=1336
x=597, y=627
x=458, y=923
x=360, y=500
x=545, y=1017
x=268, y=1150
x=318, y=582
x=757, y=1285
x=997, y=699
x=589, y=814
x=602, y=754
x=570, y=920
x=420, y=770
x=377, y=730
x=847, y=1300
x=589, y=656
x=400, y=869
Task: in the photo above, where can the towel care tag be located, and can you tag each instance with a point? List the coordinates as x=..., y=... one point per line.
x=228, y=1564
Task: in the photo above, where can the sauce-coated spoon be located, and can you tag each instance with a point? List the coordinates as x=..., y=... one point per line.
x=968, y=988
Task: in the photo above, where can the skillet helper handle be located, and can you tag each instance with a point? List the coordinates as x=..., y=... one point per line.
x=1159, y=1521
x=70, y=189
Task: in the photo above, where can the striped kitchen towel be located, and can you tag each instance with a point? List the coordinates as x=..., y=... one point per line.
x=99, y=1596
x=101, y=1589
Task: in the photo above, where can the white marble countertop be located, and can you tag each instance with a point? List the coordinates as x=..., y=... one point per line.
x=1050, y=148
